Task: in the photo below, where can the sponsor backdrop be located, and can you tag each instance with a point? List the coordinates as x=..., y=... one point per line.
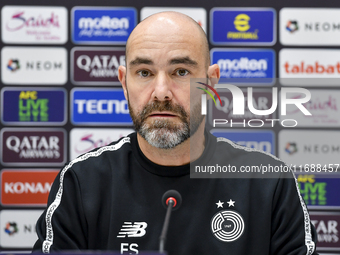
x=60, y=95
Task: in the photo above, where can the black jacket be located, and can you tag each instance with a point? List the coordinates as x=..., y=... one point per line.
x=110, y=199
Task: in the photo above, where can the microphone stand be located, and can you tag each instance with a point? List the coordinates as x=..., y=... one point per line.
x=162, y=238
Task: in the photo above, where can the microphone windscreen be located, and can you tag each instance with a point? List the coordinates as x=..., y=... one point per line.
x=176, y=195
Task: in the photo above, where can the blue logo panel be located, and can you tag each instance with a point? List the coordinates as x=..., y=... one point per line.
x=37, y=106
x=245, y=65
x=99, y=106
x=102, y=25
x=320, y=191
x=260, y=140
x=243, y=26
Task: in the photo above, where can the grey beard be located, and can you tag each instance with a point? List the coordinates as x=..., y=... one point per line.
x=163, y=135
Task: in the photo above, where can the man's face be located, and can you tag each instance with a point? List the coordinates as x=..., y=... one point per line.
x=157, y=84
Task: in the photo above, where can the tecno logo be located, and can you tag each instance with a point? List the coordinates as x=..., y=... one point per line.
x=26, y=187
x=101, y=106
x=93, y=106
x=263, y=140
x=309, y=63
x=94, y=66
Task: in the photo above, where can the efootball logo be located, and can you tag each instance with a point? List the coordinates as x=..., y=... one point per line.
x=130, y=229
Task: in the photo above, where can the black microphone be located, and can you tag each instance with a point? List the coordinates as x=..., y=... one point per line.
x=171, y=200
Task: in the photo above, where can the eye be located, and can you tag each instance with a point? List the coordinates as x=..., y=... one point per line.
x=182, y=72
x=144, y=73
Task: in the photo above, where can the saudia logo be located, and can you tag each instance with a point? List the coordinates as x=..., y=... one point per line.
x=330, y=104
x=18, y=21
x=239, y=104
x=241, y=23
x=31, y=108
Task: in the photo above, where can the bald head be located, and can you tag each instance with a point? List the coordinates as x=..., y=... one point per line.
x=170, y=25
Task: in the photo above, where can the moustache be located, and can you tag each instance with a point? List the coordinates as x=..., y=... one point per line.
x=161, y=106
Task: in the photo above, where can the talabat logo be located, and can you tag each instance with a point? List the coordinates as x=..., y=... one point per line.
x=41, y=106
x=102, y=25
x=245, y=26
x=83, y=140
x=259, y=140
x=320, y=190
x=33, y=147
x=34, y=24
x=324, y=107
x=96, y=66
x=327, y=225
x=259, y=111
x=26, y=187
x=99, y=106
x=296, y=64
x=33, y=65
x=246, y=66
x=310, y=26
x=18, y=228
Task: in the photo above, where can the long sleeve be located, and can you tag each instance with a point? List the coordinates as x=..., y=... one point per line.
x=62, y=226
x=292, y=231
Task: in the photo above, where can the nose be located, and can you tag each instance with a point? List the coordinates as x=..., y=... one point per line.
x=162, y=88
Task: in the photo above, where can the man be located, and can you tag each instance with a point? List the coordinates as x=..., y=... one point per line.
x=109, y=199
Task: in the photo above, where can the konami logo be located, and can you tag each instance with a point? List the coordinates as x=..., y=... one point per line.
x=309, y=64
x=26, y=187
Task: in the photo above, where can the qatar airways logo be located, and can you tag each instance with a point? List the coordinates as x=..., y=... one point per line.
x=238, y=104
